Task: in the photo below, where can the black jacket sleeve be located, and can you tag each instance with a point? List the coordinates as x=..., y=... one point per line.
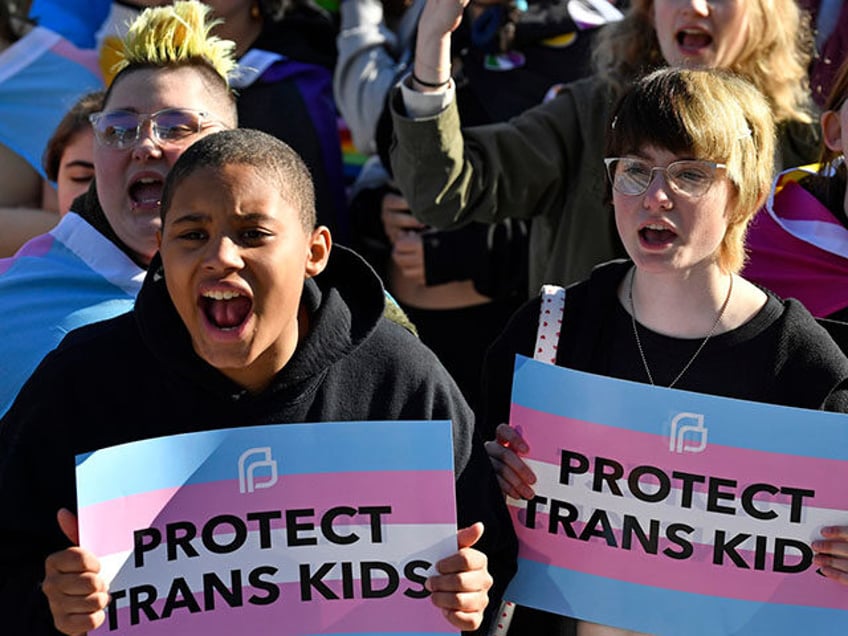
x=36, y=480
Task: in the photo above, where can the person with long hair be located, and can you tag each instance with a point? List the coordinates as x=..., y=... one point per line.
x=547, y=163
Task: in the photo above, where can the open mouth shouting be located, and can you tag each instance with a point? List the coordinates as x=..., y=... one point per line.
x=656, y=235
x=693, y=41
x=226, y=311
x=145, y=192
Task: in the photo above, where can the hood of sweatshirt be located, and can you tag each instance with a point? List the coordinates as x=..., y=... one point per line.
x=345, y=303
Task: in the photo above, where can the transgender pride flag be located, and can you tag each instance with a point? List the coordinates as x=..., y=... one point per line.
x=676, y=513
x=292, y=529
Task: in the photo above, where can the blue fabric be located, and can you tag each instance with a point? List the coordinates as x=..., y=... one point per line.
x=41, y=77
x=57, y=282
x=75, y=20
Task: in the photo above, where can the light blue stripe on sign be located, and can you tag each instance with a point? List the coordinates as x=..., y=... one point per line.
x=650, y=409
x=664, y=612
x=325, y=447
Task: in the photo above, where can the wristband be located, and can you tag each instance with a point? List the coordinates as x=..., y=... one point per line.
x=430, y=84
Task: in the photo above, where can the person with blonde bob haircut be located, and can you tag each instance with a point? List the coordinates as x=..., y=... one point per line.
x=546, y=163
x=706, y=117
x=688, y=157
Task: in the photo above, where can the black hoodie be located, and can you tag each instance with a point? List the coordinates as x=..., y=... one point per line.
x=136, y=376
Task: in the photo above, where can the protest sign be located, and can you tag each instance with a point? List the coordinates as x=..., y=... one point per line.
x=676, y=513
x=292, y=529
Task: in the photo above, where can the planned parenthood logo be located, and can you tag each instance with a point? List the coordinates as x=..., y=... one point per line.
x=688, y=433
x=255, y=460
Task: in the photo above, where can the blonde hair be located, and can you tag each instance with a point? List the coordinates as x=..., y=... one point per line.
x=777, y=52
x=174, y=35
x=707, y=114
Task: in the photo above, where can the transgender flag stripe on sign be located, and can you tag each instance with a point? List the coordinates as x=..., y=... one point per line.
x=672, y=512
x=291, y=529
x=318, y=491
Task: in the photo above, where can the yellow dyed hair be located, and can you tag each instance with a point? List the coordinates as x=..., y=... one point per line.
x=173, y=35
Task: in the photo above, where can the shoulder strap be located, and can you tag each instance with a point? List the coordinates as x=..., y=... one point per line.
x=551, y=307
x=550, y=323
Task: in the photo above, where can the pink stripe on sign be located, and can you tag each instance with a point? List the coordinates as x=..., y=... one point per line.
x=107, y=527
x=696, y=574
x=549, y=432
x=110, y=524
x=289, y=616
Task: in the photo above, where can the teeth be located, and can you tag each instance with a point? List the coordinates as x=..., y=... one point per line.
x=221, y=295
x=148, y=180
x=655, y=226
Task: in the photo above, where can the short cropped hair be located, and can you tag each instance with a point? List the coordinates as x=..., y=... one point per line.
x=74, y=121
x=246, y=147
x=776, y=56
x=175, y=36
x=704, y=114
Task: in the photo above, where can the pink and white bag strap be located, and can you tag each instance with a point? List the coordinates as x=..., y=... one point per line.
x=550, y=323
x=547, y=343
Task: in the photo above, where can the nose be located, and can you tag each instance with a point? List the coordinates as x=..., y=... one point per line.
x=223, y=253
x=659, y=190
x=701, y=7
x=147, y=145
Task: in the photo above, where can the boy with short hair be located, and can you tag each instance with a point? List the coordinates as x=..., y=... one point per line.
x=245, y=318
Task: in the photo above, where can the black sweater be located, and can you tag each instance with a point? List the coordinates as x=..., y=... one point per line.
x=137, y=377
x=781, y=356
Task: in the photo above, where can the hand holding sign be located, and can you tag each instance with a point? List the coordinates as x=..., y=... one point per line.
x=72, y=584
x=514, y=476
x=832, y=553
x=461, y=588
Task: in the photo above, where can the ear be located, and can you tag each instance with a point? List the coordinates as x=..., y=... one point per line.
x=158, y=239
x=320, y=244
x=831, y=126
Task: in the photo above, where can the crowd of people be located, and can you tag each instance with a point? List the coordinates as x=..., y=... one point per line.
x=677, y=165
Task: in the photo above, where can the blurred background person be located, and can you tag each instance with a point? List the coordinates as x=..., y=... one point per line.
x=798, y=243
x=547, y=164
x=458, y=287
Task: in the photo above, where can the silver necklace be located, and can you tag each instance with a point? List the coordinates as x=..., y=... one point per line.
x=697, y=351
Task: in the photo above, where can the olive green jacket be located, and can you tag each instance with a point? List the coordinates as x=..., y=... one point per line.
x=546, y=165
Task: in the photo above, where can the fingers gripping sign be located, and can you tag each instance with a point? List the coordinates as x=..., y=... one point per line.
x=461, y=587
x=514, y=475
x=831, y=553
x=75, y=592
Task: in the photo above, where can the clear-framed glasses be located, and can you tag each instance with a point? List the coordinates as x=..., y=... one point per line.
x=691, y=177
x=122, y=128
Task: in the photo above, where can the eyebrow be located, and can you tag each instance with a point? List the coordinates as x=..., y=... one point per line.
x=197, y=217
x=80, y=163
x=191, y=217
x=256, y=216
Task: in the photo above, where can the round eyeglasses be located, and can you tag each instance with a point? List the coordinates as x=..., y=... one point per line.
x=122, y=128
x=691, y=177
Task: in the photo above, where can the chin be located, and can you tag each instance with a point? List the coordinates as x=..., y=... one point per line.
x=224, y=358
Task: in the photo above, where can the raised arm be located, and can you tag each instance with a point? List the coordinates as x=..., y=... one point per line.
x=523, y=168
x=439, y=19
